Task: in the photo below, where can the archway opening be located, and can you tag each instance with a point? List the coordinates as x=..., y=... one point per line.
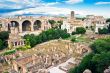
x=26, y=25
x=37, y=25
x=15, y=24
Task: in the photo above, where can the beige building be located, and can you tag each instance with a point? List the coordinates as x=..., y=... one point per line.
x=71, y=23
x=96, y=21
x=92, y=20
x=24, y=24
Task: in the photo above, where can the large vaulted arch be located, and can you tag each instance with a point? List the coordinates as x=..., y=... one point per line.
x=26, y=25
x=37, y=25
x=15, y=24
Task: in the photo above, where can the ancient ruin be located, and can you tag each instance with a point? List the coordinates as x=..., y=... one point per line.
x=52, y=54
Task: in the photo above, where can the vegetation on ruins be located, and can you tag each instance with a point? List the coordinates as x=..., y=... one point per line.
x=108, y=20
x=109, y=28
x=25, y=47
x=55, y=24
x=104, y=30
x=98, y=60
x=79, y=30
x=3, y=39
x=1, y=44
x=73, y=39
x=46, y=36
x=59, y=23
x=8, y=52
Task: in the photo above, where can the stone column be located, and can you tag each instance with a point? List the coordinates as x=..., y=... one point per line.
x=32, y=28
x=20, y=27
x=43, y=24
x=14, y=44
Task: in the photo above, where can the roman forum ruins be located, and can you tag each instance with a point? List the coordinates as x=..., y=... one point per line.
x=25, y=24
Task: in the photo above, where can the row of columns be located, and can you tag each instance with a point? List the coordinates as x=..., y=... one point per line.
x=18, y=43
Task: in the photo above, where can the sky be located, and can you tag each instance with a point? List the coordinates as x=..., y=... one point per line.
x=54, y=7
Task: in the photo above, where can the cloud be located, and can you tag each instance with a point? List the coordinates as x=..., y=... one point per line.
x=41, y=10
x=23, y=4
x=73, y=1
x=17, y=4
x=51, y=4
x=31, y=7
x=102, y=3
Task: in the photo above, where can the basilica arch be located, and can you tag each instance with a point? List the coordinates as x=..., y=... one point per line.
x=26, y=25
x=15, y=24
x=37, y=25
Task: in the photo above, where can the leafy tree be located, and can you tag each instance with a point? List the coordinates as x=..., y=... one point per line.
x=108, y=20
x=80, y=30
x=86, y=63
x=102, y=61
x=1, y=44
x=4, y=35
x=52, y=22
x=101, y=45
x=59, y=23
x=73, y=33
x=103, y=31
x=109, y=28
x=46, y=36
x=98, y=60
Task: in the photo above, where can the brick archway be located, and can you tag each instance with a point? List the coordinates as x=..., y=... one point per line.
x=37, y=25
x=15, y=24
x=26, y=25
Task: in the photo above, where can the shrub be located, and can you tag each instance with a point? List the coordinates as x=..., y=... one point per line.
x=46, y=36
x=80, y=30
x=73, y=33
x=103, y=31
x=98, y=60
x=9, y=52
x=73, y=39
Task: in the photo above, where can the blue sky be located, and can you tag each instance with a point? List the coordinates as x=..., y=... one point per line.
x=54, y=7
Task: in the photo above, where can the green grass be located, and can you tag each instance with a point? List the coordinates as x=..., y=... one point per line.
x=80, y=38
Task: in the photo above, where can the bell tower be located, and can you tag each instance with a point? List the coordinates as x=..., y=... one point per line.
x=72, y=15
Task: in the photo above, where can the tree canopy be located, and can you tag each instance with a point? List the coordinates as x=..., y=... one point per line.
x=4, y=35
x=108, y=20
x=46, y=36
x=104, y=30
x=98, y=60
